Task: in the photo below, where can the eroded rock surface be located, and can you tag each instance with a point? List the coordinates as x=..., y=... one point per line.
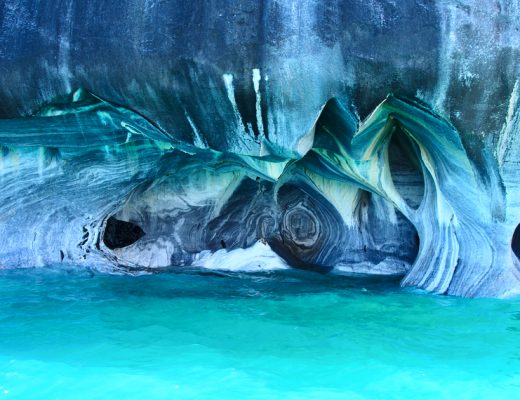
x=248, y=134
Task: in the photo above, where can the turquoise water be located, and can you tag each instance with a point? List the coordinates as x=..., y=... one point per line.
x=290, y=335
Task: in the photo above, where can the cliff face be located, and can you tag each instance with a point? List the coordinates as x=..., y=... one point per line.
x=211, y=125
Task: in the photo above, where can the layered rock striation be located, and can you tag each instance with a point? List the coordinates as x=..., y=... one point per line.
x=262, y=135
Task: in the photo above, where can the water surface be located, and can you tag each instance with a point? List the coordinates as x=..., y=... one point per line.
x=290, y=335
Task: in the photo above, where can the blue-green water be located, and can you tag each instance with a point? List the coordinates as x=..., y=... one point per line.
x=284, y=336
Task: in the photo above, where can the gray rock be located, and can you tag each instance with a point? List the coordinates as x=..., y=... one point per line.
x=212, y=126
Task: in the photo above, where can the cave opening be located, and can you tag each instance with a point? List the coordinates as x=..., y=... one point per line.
x=119, y=234
x=515, y=242
x=405, y=168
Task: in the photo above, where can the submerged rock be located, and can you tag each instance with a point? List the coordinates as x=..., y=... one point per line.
x=211, y=133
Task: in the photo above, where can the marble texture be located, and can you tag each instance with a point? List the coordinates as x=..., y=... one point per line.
x=346, y=137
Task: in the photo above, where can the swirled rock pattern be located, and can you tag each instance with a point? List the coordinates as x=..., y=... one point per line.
x=148, y=135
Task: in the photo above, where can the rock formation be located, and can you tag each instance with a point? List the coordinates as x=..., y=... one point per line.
x=349, y=137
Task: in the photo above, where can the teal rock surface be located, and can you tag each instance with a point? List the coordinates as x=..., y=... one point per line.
x=342, y=137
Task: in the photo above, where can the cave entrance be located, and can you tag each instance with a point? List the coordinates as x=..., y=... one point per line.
x=119, y=234
x=515, y=242
x=405, y=168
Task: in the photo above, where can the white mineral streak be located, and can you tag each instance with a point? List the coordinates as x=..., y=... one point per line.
x=509, y=141
x=258, y=97
x=198, y=139
x=257, y=258
x=230, y=91
x=64, y=51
